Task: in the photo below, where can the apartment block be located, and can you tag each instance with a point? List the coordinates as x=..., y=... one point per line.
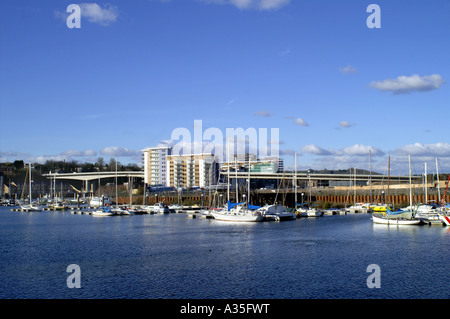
x=155, y=165
x=191, y=170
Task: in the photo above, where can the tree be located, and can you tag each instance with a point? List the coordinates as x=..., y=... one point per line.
x=18, y=164
x=100, y=163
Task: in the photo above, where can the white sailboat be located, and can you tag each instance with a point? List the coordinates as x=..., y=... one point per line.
x=238, y=212
x=103, y=211
x=31, y=206
x=400, y=217
x=395, y=221
x=309, y=211
x=100, y=201
x=276, y=212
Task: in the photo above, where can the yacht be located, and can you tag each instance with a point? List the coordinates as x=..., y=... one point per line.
x=359, y=208
x=30, y=208
x=103, y=211
x=396, y=218
x=276, y=212
x=100, y=201
x=239, y=213
x=305, y=211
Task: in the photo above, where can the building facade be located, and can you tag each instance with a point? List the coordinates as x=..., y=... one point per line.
x=155, y=165
x=191, y=170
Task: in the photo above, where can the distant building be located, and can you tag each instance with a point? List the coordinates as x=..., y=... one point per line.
x=241, y=164
x=191, y=170
x=155, y=165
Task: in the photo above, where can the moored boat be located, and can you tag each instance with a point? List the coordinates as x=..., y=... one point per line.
x=276, y=212
x=105, y=211
x=237, y=213
x=395, y=221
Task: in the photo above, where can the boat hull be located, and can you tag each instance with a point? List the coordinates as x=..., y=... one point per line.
x=236, y=217
x=394, y=221
x=445, y=219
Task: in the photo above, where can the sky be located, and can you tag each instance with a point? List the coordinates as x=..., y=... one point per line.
x=135, y=71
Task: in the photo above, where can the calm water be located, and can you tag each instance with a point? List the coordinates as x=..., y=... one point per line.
x=172, y=256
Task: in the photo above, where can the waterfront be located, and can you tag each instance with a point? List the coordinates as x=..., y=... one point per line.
x=173, y=257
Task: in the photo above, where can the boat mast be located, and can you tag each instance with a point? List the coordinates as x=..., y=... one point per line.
x=130, y=185
x=295, y=181
x=117, y=196
x=248, y=196
x=445, y=194
x=389, y=175
x=228, y=175
x=354, y=186
x=437, y=174
x=309, y=184
x=235, y=173
x=370, y=175
x=426, y=186
x=410, y=186
x=30, y=180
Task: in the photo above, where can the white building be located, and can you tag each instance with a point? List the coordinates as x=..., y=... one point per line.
x=155, y=165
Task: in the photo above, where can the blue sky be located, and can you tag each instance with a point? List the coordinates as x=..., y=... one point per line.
x=136, y=70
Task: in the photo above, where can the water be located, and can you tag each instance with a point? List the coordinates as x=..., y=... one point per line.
x=174, y=257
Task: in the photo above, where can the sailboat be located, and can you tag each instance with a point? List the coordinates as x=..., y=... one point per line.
x=444, y=211
x=396, y=218
x=103, y=211
x=31, y=206
x=401, y=217
x=276, y=212
x=308, y=210
x=238, y=212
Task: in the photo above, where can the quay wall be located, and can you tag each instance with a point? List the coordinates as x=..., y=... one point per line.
x=287, y=199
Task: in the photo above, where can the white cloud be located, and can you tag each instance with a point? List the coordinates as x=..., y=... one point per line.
x=287, y=152
x=361, y=150
x=252, y=4
x=406, y=84
x=95, y=14
x=300, y=121
x=74, y=153
x=315, y=150
x=114, y=151
x=348, y=70
x=345, y=124
x=418, y=149
x=263, y=113
x=355, y=150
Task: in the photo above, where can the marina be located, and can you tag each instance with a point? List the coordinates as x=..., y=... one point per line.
x=251, y=150
x=173, y=256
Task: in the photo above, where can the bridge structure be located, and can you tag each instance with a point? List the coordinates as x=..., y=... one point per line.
x=90, y=176
x=86, y=177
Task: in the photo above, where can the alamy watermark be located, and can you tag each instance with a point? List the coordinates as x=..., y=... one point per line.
x=73, y=21
x=374, y=279
x=235, y=141
x=74, y=279
x=373, y=20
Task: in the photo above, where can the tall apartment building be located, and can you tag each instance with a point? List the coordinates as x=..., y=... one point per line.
x=191, y=170
x=155, y=165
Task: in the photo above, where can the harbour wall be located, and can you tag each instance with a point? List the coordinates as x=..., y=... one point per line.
x=288, y=198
